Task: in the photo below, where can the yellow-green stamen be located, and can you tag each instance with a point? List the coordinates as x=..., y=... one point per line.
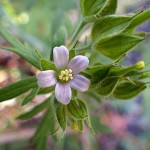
x=66, y=75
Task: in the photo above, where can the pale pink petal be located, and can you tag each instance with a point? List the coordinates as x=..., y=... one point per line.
x=78, y=63
x=80, y=83
x=61, y=57
x=63, y=93
x=46, y=78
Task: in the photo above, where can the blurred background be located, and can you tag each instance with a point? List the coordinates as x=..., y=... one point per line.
x=124, y=125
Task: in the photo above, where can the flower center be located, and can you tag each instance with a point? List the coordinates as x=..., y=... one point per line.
x=66, y=75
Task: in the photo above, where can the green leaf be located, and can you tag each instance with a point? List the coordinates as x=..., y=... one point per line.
x=17, y=88
x=107, y=86
x=108, y=8
x=19, y=48
x=117, y=46
x=102, y=27
x=61, y=115
x=47, y=65
x=42, y=143
x=139, y=19
x=71, y=54
x=121, y=71
x=30, y=96
x=91, y=7
x=48, y=123
x=37, y=109
x=77, y=109
x=97, y=72
x=98, y=126
x=128, y=90
x=45, y=90
x=90, y=124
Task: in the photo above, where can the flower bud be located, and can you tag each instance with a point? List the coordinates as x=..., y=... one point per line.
x=139, y=65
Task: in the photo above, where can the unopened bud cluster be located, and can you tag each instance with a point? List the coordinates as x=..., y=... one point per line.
x=66, y=75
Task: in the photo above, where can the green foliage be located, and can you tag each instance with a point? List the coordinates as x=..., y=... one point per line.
x=102, y=28
x=42, y=143
x=98, y=126
x=97, y=72
x=77, y=109
x=45, y=90
x=91, y=7
x=37, y=109
x=139, y=19
x=30, y=96
x=25, y=51
x=61, y=113
x=107, y=86
x=112, y=36
x=48, y=123
x=47, y=65
x=109, y=8
x=117, y=46
x=18, y=88
x=127, y=90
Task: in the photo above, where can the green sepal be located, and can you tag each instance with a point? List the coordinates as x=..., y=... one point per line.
x=45, y=90
x=61, y=114
x=17, y=88
x=47, y=65
x=127, y=90
x=77, y=109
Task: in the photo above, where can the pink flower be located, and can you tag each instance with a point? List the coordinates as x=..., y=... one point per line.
x=67, y=76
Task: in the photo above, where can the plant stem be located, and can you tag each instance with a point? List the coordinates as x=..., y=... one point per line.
x=75, y=35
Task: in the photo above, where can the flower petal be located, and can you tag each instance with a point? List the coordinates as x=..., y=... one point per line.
x=63, y=93
x=80, y=83
x=78, y=63
x=46, y=78
x=61, y=57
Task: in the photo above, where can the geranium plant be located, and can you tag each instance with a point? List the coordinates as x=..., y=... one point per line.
x=71, y=69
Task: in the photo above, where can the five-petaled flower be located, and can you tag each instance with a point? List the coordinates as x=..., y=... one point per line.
x=67, y=76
